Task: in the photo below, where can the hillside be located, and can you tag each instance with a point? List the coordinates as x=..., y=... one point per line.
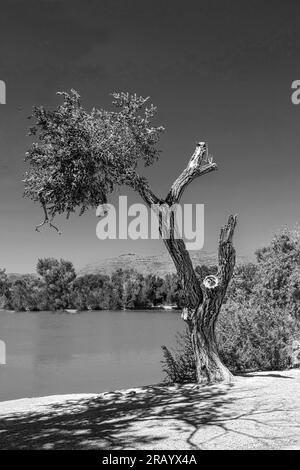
x=160, y=264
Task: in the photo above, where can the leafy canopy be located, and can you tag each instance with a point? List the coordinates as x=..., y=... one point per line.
x=278, y=272
x=79, y=157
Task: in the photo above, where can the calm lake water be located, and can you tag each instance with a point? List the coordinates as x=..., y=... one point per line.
x=56, y=353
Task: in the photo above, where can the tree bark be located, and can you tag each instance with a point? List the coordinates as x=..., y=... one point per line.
x=202, y=321
x=209, y=367
x=203, y=299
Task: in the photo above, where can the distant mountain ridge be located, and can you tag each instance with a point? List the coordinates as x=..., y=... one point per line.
x=160, y=264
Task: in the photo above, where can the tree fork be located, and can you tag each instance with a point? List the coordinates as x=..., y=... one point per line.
x=203, y=300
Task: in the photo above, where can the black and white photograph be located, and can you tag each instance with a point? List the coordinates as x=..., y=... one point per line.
x=149, y=228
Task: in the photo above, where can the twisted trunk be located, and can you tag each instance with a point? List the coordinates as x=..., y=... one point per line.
x=209, y=367
x=202, y=320
x=203, y=299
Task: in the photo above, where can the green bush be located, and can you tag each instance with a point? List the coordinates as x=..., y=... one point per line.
x=277, y=280
x=179, y=366
x=249, y=338
x=255, y=338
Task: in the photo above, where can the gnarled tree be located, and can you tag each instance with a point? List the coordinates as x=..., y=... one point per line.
x=80, y=157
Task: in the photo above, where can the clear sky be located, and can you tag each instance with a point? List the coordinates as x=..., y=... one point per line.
x=219, y=71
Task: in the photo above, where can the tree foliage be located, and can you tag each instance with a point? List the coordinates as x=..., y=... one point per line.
x=58, y=277
x=255, y=337
x=278, y=272
x=4, y=287
x=57, y=287
x=79, y=156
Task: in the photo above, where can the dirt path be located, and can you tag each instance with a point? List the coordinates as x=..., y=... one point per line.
x=259, y=411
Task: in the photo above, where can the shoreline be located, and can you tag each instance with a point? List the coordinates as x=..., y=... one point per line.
x=258, y=411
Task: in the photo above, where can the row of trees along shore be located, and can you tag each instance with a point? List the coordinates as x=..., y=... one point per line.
x=56, y=287
x=273, y=281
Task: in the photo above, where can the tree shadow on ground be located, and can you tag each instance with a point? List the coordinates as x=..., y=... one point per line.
x=188, y=416
x=109, y=421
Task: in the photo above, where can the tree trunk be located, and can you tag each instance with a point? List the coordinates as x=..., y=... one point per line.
x=202, y=320
x=209, y=367
x=203, y=300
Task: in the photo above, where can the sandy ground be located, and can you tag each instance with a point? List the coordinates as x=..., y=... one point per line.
x=258, y=411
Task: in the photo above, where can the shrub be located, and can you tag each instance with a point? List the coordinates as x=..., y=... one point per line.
x=255, y=338
x=249, y=338
x=179, y=365
x=278, y=272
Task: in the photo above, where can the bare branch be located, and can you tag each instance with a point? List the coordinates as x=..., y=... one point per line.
x=227, y=231
x=147, y=195
x=178, y=252
x=46, y=220
x=226, y=251
x=199, y=164
x=185, y=270
x=54, y=226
